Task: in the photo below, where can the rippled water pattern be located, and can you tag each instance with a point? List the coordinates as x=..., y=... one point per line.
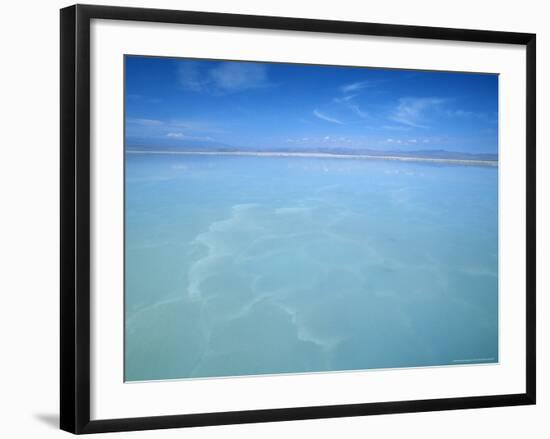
x=266, y=265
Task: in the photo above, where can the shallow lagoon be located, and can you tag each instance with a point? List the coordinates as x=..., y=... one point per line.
x=264, y=265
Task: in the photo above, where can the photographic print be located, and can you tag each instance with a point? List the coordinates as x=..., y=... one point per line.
x=292, y=218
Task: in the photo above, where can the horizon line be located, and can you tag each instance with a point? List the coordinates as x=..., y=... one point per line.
x=319, y=155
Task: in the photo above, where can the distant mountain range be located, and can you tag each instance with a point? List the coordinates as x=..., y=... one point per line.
x=209, y=146
x=436, y=154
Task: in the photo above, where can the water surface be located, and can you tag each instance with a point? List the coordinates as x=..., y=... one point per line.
x=266, y=265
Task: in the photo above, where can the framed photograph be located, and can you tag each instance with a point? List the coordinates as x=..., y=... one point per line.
x=268, y=218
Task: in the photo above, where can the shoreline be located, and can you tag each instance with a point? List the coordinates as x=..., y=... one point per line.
x=322, y=155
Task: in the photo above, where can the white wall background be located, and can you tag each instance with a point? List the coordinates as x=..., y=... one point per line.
x=29, y=249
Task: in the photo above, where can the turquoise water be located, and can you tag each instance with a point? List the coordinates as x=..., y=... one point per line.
x=265, y=265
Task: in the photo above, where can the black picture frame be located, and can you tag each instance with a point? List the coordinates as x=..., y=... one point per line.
x=75, y=217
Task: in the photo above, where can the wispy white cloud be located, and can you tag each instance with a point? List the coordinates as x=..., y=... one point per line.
x=395, y=127
x=461, y=113
x=145, y=122
x=324, y=141
x=239, y=76
x=172, y=128
x=326, y=118
x=412, y=111
x=343, y=99
x=183, y=136
x=193, y=125
x=475, y=115
x=412, y=142
x=190, y=76
x=362, y=114
x=356, y=86
x=175, y=125
x=347, y=102
x=228, y=77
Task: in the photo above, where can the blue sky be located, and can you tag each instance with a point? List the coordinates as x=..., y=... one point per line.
x=180, y=102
